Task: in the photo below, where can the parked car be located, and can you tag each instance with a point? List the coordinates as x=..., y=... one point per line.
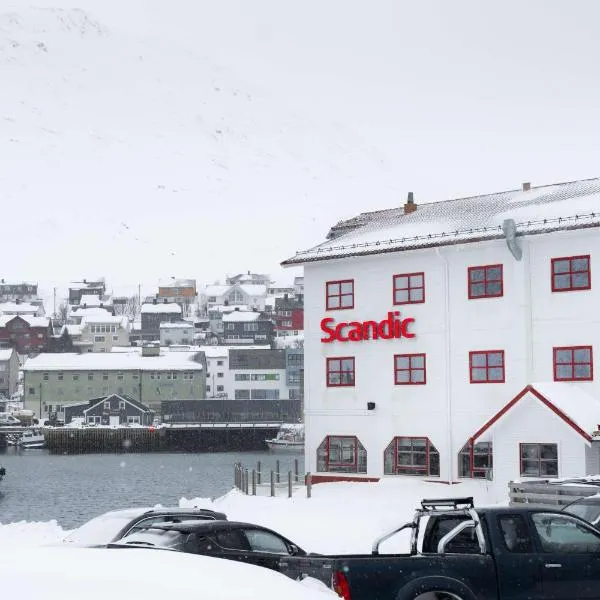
x=587, y=509
x=244, y=542
x=7, y=419
x=114, y=525
x=459, y=552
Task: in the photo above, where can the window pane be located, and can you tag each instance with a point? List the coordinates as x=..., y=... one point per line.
x=549, y=468
x=420, y=459
x=264, y=541
x=549, y=451
x=347, y=288
x=401, y=296
x=494, y=288
x=401, y=282
x=494, y=359
x=416, y=281
x=416, y=295
x=583, y=372
x=580, y=280
x=347, y=301
x=496, y=374
x=333, y=365
x=530, y=467
x=582, y=355
x=560, y=533
x=529, y=451
x=564, y=372
x=495, y=274
x=478, y=360
x=334, y=379
x=419, y=444
x=417, y=376
x=561, y=266
x=478, y=289
x=579, y=264
x=404, y=443
x=348, y=378
x=514, y=532
x=417, y=362
x=479, y=374
x=333, y=289
x=348, y=364
x=402, y=376
x=405, y=458
x=333, y=302
x=564, y=356
x=477, y=275
x=562, y=282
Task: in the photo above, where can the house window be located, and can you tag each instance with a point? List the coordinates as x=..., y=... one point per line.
x=133, y=419
x=120, y=376
x=90, y=377
x=32, y=391
x=250, y=326
x=573, y=364
x=105, y=376
x=219, y=363
x=411, y=456
x=242, y=394
x=539, y=460
x=94, y=419
x=99, y=338
x=208, y=388
x=60, y=376
x=121, y=403
x=220, y=388
x=571, y=273
x=45, y=377
x=476, y=461
x=219, y=374
x=115, y=338
x=76, y=377
x=340, y=371
x=339, y=294
x=286, y=323
x=409, y=369
x=107, y=405
x=242, y=377
x=229, y=326
x=409, y=288
x=485, y=282
x=341, y=454
x=486, y=366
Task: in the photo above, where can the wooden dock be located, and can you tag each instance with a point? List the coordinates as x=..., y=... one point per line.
x=63, y=440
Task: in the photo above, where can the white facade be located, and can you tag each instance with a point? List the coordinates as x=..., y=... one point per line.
x=176, y=333
x=526, y=322
x=103, y=333
x=245, y=294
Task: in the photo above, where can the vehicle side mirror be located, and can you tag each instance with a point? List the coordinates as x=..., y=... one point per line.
x=294, y=550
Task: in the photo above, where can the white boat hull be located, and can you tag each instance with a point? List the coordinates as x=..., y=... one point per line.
x=285, y=447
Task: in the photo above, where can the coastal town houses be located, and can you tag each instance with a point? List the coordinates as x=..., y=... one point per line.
x=155, y=313
x=247, y=327
x=288, y=316
x=176, y=333
x=79, y=289
x=11, y=291
x=249, y=278
x=9, y=372
x=456, y=340
x=149, y=376
x=238, y=294
x=18, y=307
x=112, y=410
x=180, y=291
x=99, y=332
x=25, y=333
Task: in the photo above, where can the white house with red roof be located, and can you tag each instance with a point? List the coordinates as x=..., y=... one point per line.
x=424, y=322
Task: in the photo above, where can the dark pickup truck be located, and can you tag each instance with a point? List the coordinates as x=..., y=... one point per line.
x=459, y=552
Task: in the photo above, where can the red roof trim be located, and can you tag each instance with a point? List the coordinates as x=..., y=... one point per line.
x=544, y=401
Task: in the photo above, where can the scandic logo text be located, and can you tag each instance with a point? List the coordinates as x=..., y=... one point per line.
x=391, y=328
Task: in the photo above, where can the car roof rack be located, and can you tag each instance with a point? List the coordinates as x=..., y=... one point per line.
x=454, y=503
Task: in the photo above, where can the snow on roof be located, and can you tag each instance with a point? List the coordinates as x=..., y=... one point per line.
x=176, y=325
x=171, y=282
x=161, y=307
x=105, y=318
x=20, y=308
x=86, y=312
x=217, y=290
x=74, y=329
x=94, y=300
x=254, y=289
x=106, y=361
x=5, y=353
x=569, y=205
x=32, y=321
x=239, y=315
x=227, y=308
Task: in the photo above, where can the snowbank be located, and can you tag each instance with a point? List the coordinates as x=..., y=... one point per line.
x=122, y=574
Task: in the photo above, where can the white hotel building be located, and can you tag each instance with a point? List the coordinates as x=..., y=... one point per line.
x=496, y=316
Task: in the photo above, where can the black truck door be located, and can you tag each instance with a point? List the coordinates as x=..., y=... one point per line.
x=266, y=548
x=569, y=557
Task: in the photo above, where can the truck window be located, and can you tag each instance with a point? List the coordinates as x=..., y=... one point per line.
x=437, y=527
x=514, y=533
x=565, y=535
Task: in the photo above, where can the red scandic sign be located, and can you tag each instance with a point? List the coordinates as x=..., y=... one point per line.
x=394, y=327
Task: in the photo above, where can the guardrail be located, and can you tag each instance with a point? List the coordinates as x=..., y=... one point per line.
x=256, y=482
x=545, y=493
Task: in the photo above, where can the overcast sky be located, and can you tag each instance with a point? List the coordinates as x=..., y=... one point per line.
x=198, y=139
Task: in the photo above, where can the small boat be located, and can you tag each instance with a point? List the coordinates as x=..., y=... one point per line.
x=290, y=438
x=32, y=437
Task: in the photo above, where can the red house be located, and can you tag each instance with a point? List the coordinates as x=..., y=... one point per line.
x=288, y=315
x=25, y=333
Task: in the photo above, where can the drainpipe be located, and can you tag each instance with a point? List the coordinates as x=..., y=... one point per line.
x=448, y=345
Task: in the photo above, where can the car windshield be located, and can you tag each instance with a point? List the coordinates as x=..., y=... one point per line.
x=156, y=537
x=101, y=530
x=588, y=510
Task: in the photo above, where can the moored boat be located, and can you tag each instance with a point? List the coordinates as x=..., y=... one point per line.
x=290, y=438
x=32, y=437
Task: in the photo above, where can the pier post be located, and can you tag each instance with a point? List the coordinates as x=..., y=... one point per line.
x=289, y=484
x=272, y=483
x=308, y=485
x=246, y=481
x=253, y=482
x=277, y=470
x=258, y=472
x=296, y=470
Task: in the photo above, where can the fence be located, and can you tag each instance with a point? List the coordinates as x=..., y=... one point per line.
x=258, y=482
x=545, y=493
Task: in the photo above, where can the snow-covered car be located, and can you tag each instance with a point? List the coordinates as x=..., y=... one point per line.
x=587, y=509
x=114, y=525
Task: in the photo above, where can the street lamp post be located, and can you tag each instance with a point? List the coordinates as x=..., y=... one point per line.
x=40, y=415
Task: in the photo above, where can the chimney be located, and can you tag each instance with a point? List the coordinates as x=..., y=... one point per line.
x=526, y=186
x=410, y=205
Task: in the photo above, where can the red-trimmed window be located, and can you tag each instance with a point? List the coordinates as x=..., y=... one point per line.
x=341, y=454
x=476, y=460
x=409, y=288
x=539, y=460
x=411, y=456
x=340, y=371
x=410, y=369
x=573, y=363
x=486, y=366
x=571, y=273
x=486, y=282
x=339, y=295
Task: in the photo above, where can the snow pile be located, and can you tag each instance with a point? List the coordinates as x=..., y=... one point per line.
x=23, y=534
x=123, y=574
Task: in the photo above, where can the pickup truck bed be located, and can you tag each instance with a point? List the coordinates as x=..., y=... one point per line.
x=462, y=553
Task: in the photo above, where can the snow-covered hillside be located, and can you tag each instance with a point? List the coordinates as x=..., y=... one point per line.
x=128, y=151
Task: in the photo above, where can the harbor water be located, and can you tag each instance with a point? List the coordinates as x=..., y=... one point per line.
x=74, y=488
